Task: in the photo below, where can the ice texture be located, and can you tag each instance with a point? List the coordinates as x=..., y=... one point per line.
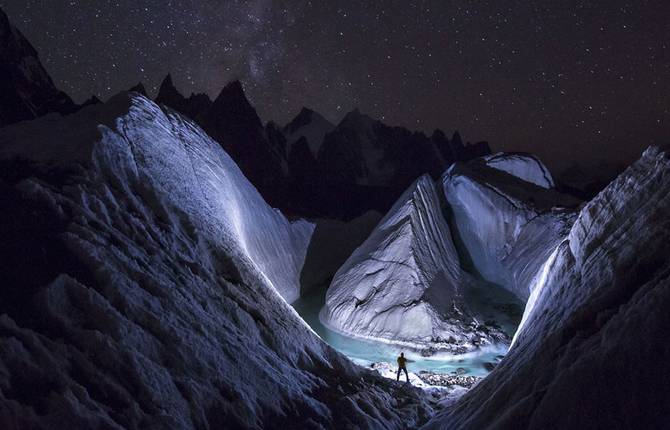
x=404, y=284
x=591, y=351
x=196, y=175
x=523, y=166
x=507, y=226
x=141, y=274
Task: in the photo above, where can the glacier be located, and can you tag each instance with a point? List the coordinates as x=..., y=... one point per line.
x=143, y=280
x=594, y=330
x=404, y=284
x=506, y=225
x=230, y=210
x=523, y=166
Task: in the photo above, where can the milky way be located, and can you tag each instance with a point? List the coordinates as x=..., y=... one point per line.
x=571, y=81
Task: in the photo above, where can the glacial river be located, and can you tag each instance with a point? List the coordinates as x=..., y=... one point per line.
x=365, y=352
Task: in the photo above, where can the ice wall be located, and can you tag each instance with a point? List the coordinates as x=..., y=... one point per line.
x=590, y=353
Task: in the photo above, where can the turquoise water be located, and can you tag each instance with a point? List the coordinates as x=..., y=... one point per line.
x=365, y=352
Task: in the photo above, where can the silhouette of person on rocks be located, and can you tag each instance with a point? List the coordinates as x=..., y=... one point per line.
x=402, y=365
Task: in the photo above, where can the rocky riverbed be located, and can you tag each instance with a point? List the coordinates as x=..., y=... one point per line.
x=426, y=379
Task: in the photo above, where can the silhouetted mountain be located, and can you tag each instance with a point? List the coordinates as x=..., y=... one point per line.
x=139, y=88
x=358, y=165
x=311, y=167
x=474, y=150
x=93, y=100
x=367, y=152
x=311, y=125
x=278, y=146
x=26, y=90
x=259, y=151
x=193, y=106
x=234, y=123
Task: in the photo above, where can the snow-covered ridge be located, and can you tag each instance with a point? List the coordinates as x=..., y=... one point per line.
x=195, y=174
x=594, y=327
x=133, y=296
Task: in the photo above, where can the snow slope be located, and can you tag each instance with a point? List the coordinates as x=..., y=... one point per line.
x=195, y=175
x=404, y=283
x=507, y=226
x=139, y=268
x=591, y=352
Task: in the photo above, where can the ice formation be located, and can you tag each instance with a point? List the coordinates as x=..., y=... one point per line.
x=523, y=166
x=404, y=283
x=194, y=174
x=507, y=226
x=134, y=294
x=592, y=341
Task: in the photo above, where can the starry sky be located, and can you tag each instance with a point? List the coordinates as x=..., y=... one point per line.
x=572, y=81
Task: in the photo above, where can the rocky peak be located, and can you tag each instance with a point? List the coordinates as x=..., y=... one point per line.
x=93, y=100
x=139, y=88
x=193, y=107
x=303, y=118
x=27, y=90
x=232, y=106
x=168, y=93
x=356, y=119
x=456, y=139
x=235, y=124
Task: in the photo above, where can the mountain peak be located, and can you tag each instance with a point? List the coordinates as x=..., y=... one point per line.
x=357, y=119
x=168, y=93
x=232, y=91
x=232, y=102
x=27, y=89
x=303, y=118
x=167, y=81
x=232, y=106
x=139, y=88
x=306, y=111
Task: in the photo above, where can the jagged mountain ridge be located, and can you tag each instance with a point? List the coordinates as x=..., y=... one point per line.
x=310, y=125
x=338, y=177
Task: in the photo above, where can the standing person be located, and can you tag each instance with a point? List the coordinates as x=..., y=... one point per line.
x=402, y=365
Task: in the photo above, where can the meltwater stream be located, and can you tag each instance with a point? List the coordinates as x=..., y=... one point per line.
x=365, y=352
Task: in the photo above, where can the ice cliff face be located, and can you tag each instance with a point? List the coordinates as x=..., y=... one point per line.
x=590, y=352
x=140, y=270
x=508, y=225
x=404, y=283
x=523, y=166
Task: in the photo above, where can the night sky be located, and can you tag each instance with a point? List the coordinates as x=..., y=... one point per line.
x=569, y=81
